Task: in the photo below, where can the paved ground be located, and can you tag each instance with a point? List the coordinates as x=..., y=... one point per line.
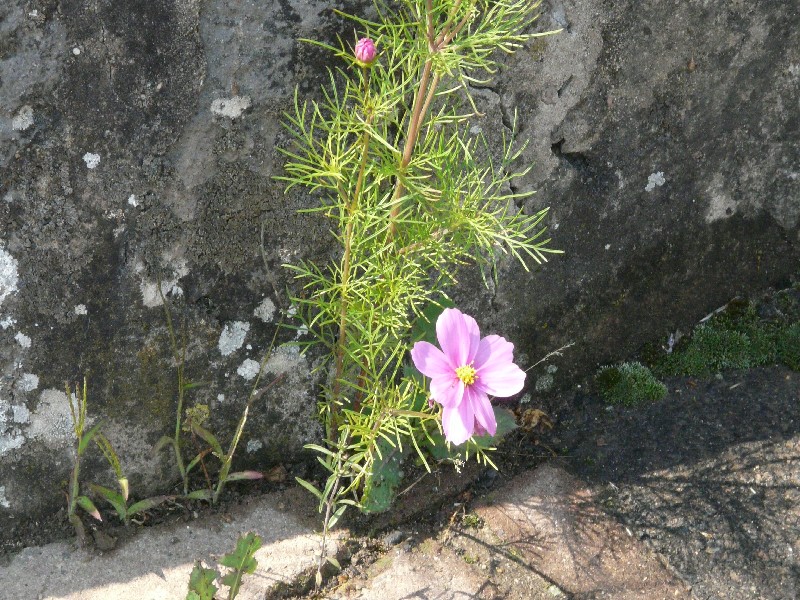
x=709, y=478
x=155, y=564
x=539, y=536
x=696, y=497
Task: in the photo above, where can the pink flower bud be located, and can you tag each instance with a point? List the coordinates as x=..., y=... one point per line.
x=365, y=51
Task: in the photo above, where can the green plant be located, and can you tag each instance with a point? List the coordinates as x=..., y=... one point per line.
x=240, y=562
x=411, y=196
x=183, y=385
x=628, y=384
x=77, y=409
x=78, y=401
x=119, y=499
x=193, y=420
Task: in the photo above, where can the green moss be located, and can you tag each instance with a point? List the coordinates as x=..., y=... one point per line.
x=788, y=346
x=629, y=384
x=735, y=339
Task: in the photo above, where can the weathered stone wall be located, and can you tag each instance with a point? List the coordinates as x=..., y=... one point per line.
x=137, y=145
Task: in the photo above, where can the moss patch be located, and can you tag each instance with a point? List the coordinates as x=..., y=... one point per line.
x=629, y=384
x=743, y=336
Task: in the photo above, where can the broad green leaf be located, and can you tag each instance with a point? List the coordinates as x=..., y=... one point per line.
x=334, y=562
x=201, y=583
x=380, y=487
x=87, y=437
x=210, y=438
x=199, y=495
x=425, y=326
x=241, y=561
x=440, y=450
x=505, y=424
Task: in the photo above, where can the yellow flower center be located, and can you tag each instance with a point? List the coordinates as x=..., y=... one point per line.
x=467, y=374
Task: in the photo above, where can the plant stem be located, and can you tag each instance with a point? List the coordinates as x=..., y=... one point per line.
x=423, y=98
x=226, y=465
x=351, y=207
x=179, y=361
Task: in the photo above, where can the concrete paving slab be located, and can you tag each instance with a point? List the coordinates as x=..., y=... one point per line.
x=541, y=537
x=155, y=564
x=430, y=571
x=548, y=521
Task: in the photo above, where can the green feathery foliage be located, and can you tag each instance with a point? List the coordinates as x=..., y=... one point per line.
x=411, y=198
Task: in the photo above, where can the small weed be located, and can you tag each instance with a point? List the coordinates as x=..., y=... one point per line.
x=241, y=562
x=77, y=410
x=472, y=521
x=629, y=384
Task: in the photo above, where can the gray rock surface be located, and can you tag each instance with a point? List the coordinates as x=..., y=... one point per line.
x=137, y=146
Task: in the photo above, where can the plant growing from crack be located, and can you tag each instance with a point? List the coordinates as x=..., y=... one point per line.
x=77, y=409
x=411, y=195
x=193, y=421
x=241, y=562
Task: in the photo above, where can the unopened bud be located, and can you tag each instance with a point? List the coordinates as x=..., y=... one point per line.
x=365, y=51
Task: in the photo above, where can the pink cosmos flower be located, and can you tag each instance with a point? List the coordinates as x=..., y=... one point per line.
x=464, y=372
x=365, y=51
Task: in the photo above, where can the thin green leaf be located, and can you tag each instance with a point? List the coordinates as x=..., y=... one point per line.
x=310, y=487
x=334, y=518
x=89, y=507
x=164, y=441
x=194, y=384
x=240, y=475
x=197, y=459
x=147, y=504
x=210, y=438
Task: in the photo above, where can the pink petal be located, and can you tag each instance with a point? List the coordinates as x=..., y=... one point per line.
x=497, y=374
x=501, y=380
x=447, y=391
x=430, y=361
x=494, y=348
x=458, y=423
x=458, y=335
x=484, y=415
